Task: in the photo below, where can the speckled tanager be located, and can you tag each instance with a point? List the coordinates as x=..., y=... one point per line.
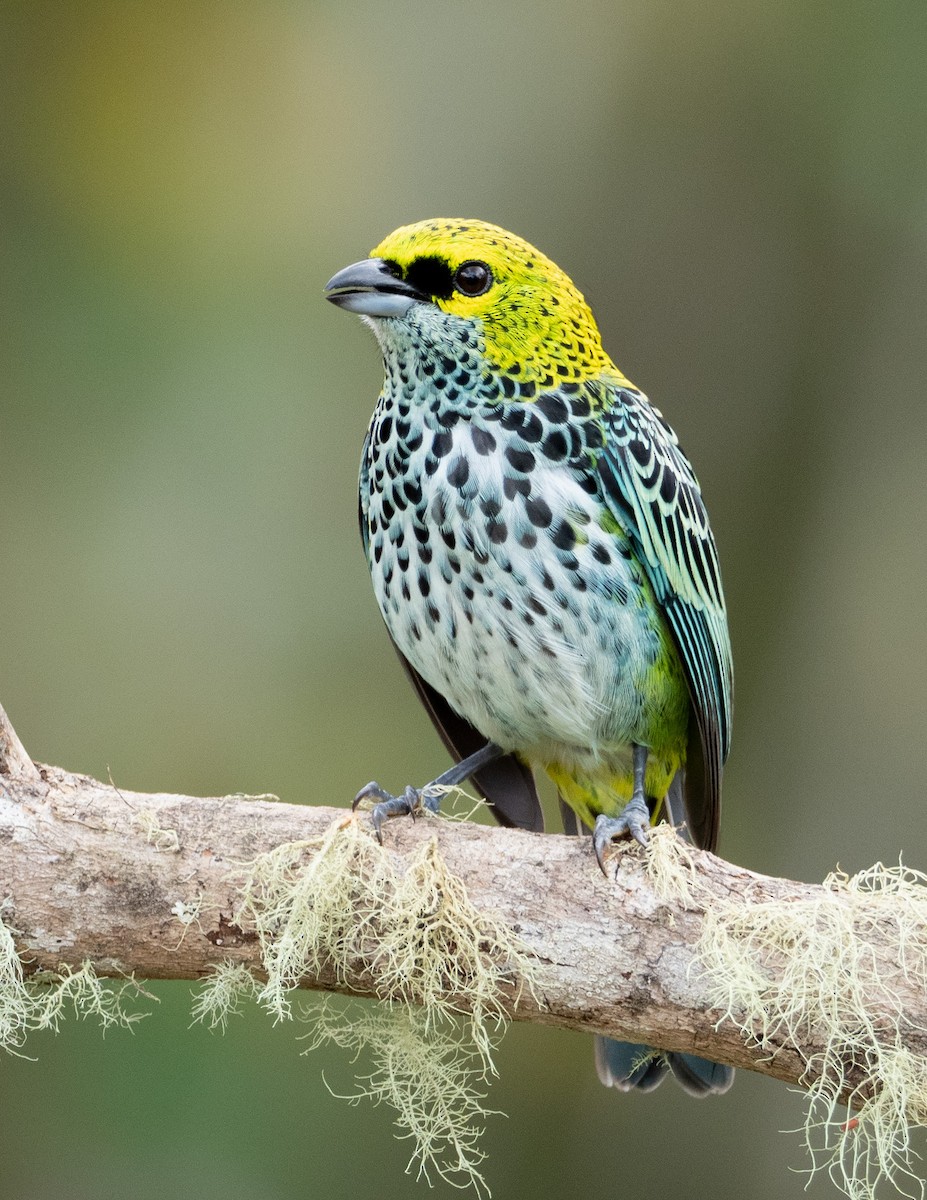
x=542, y=557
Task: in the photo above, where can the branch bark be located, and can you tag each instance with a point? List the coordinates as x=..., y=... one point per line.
x=91, y=872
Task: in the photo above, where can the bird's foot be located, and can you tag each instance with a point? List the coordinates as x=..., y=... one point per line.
x=634, y=819
x=409, y=804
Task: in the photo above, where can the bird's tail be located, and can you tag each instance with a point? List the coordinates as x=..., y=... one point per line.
x=631, y=1066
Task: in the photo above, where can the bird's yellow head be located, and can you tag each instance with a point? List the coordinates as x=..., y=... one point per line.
x=531, y=321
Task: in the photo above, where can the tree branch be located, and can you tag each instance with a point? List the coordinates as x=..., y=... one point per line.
x=91, y=872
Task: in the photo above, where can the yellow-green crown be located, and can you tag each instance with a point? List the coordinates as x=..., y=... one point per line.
x=534, y=322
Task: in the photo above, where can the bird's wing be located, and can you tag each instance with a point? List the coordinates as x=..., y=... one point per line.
x=652, y=491
x=507, y=784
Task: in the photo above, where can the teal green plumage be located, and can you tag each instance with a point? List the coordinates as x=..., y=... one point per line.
x=537, y=540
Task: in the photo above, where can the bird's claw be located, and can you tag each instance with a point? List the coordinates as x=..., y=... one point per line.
x=634, y=819
x=410, y=804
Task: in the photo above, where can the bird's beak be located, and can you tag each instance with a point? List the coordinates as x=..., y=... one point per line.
x=372, y=287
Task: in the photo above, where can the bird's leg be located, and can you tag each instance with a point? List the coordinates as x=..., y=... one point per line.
x=413, y=800
x=634, y=818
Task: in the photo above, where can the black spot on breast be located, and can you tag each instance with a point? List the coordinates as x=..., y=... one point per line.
x=459, y=472
x=564, y=536
x=483, y=440
x=532, y=429
x=521, y=460
x=553, y=408
x=538, y=512
x=555, y=447
x=512, y=487
x=424, y=583
x=497, y=531
x=442, y=444
x=600, y=553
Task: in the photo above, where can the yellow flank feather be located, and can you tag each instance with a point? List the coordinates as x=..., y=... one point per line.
x=590, y=795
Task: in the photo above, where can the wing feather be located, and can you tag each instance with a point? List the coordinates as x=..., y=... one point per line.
x=652, y=491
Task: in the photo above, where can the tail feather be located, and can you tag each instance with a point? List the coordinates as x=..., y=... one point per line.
x=629, y=1065
x=699, y=1076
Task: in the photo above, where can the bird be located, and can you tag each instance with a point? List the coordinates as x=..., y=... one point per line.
x=542, y=558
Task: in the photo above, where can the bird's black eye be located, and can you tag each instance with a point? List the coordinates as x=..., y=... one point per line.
x=473, y=278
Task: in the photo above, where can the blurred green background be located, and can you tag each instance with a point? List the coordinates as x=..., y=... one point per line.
x=741, y=191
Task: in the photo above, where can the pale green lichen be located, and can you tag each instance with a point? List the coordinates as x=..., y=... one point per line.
x=802, y=973
x=165, y=840
x=222, y=993
x=670, y=864
x=443, y=971
x=424, y=1065
x=41, y=1002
